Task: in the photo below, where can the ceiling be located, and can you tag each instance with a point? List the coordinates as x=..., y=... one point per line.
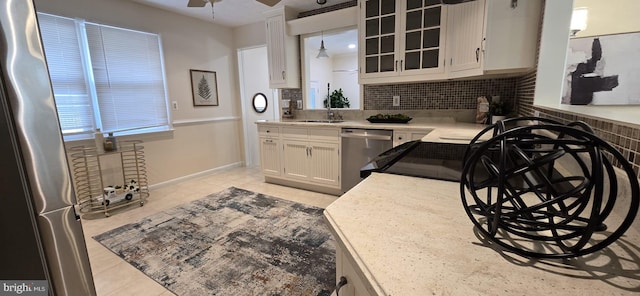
x=336, y=42
x=233, y=13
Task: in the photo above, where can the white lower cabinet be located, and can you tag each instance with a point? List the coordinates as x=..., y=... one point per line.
x=270, y=150
x=315, y=162
x=345, y=267
x=403, y=136
x=270, y=156
x=305, y=157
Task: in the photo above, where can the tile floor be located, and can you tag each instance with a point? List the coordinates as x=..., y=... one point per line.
x=114, y=276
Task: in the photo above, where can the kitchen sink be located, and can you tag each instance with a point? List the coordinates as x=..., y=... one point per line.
x=320, y=120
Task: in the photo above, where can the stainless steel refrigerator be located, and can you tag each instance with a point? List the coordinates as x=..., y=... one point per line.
x=41, y=235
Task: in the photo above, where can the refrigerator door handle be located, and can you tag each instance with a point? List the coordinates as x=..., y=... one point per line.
x=76, y=211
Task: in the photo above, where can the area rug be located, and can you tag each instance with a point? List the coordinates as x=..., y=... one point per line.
x=235, y=242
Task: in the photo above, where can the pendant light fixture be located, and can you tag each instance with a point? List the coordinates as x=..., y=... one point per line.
x=322, y=54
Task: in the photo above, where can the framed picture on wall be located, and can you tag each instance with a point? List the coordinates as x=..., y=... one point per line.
x=603, y=70
x=204, y=88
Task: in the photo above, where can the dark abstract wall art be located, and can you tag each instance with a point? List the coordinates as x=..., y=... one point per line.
x=603, y=70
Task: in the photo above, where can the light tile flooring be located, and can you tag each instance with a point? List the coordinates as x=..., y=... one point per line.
x=114, y=276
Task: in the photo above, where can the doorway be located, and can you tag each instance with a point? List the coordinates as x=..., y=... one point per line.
x=254, y=79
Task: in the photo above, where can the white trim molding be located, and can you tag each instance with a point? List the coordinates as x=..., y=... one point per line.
x=204, y=120
x=199, y=174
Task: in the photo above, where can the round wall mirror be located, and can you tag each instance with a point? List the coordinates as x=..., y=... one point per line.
x=259, y=102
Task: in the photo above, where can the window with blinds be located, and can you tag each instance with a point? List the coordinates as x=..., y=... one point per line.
x=104, y=77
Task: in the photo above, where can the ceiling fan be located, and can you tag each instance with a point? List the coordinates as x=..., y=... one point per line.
x=202, y=3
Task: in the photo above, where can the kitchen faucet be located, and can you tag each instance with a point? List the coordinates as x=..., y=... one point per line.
x=329, y=113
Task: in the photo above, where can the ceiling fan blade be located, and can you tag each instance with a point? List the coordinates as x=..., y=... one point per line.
x=269, y=2
x=197, y=3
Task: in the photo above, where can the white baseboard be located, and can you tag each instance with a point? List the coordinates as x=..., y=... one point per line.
x=199, y=174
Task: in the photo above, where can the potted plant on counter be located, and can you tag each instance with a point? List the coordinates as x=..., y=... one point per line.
x=498, y=109
x=338, y=100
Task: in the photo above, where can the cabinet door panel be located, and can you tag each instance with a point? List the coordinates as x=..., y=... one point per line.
x=387, y=44
x=275, y=49
x=423, y=34
x=412, y=60
x=432, y=17
x=388, y=25
x=380, y=23
x=372, y=8
x=371, y=65
x=325, y=163
x=295, y=155
x=387, y=63
x=387, y=7
x=431, y=38
x=466, y=35
x=414, y=20
x=430, y=58
x=412, y=41
x=372, y=27
x=270, y=156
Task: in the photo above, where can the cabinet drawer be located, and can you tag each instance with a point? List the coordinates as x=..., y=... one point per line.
x=295, y=133
x=418, y=136
x=268, y=131
x=324, y=134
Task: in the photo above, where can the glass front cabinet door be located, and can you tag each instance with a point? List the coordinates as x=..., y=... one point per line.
x=401, y=38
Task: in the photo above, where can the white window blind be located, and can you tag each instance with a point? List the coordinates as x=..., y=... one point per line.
x=128, y=78
x=126, y=89
x=64, y=58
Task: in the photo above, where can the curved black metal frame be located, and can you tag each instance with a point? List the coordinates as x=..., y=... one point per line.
x=253, y=103
x=533, y=203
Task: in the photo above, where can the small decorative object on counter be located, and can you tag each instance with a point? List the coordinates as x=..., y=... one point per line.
x=498, y=109
x=337, y=99
x=552, y=190
x=389, y=118
x=482, y=113
x=110, y=143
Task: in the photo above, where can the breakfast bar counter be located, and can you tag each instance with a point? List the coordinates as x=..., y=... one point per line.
x=399, y=235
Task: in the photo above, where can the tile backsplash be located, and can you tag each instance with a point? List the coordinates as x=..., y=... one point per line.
x=438, y=95
x=624, y=137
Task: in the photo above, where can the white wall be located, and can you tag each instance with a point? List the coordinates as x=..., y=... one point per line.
x=321, y=73
x=345, y=76
x=610, y=17
x=551, y=64
x=205, y=138
x=250, y=35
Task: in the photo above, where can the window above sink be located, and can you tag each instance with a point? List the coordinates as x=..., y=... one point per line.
x=321, y=76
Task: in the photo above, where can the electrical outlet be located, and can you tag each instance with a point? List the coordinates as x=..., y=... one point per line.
x=174, y=105
x=299, y=104
x=396, y=101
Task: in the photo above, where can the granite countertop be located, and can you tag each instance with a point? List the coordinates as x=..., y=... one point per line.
x=415, y=124
x=411, y=236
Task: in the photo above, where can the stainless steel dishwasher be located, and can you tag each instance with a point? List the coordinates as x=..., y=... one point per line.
x=360, y=146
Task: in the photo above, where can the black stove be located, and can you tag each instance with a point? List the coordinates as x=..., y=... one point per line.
x=434, y=160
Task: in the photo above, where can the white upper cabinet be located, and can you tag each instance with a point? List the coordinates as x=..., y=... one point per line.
x=492, y=37
x=401, y=40
x=422, y=40
x=282, y=50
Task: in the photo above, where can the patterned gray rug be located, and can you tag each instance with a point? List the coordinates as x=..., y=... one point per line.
x=235, y=242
